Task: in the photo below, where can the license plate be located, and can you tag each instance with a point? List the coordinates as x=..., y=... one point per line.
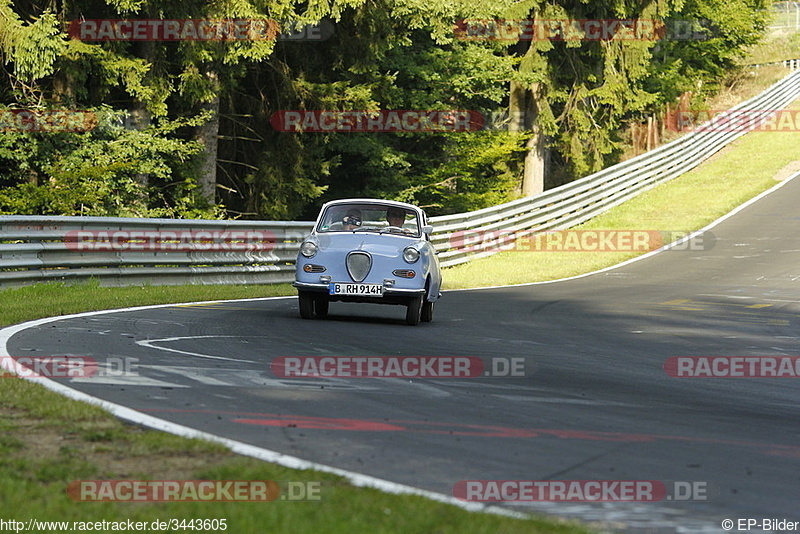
x=366, y=290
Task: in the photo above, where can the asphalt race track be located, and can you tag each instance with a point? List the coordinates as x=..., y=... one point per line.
x=595, y=403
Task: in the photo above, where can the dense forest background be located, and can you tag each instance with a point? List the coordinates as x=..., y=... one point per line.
x=182, y=128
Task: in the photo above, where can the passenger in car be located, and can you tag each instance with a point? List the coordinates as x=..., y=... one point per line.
x=352, y=219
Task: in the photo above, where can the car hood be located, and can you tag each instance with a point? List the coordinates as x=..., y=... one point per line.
x=388, y=245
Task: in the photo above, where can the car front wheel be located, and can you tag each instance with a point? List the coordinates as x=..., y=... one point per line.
x=306, y=304
x=414, y=311
x=321, y=306
x=427, y=311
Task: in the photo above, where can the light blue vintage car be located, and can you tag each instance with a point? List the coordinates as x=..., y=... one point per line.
x=369, y=250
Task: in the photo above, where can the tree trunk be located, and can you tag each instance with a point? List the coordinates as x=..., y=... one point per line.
x=523, y=110
x=63, y=83
x=140, y=117
x=535, y=164
x=208, y=135
x=63, y=88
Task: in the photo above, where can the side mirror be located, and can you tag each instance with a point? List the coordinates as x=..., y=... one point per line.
x=427, y=229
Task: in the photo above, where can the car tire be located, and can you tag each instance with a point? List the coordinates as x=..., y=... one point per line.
x=414, y=311
x=321, y=307
x=427, y=311
x=306, y=304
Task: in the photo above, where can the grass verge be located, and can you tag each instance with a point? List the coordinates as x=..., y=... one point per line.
x=783, y=44
x=47, y=300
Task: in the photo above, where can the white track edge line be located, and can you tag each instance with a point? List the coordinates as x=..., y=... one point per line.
x=238, y=447
x=357, y=479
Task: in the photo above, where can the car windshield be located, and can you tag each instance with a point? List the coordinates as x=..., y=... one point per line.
x=378, y=218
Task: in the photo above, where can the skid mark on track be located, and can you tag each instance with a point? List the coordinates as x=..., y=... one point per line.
x=476, y=430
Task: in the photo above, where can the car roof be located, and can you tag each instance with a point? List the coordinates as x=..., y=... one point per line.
x=393, y=203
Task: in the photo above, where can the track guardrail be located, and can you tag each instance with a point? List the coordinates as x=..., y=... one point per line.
x=127, y=251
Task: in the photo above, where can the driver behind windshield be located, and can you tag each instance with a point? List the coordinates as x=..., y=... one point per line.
x=395, y=217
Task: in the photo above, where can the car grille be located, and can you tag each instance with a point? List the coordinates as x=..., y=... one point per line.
x=358, y=265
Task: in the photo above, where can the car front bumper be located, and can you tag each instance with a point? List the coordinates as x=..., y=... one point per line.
x=391, y=295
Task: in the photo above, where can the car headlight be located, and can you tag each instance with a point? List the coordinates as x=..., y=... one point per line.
x=410, y=254
x=308, y=249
